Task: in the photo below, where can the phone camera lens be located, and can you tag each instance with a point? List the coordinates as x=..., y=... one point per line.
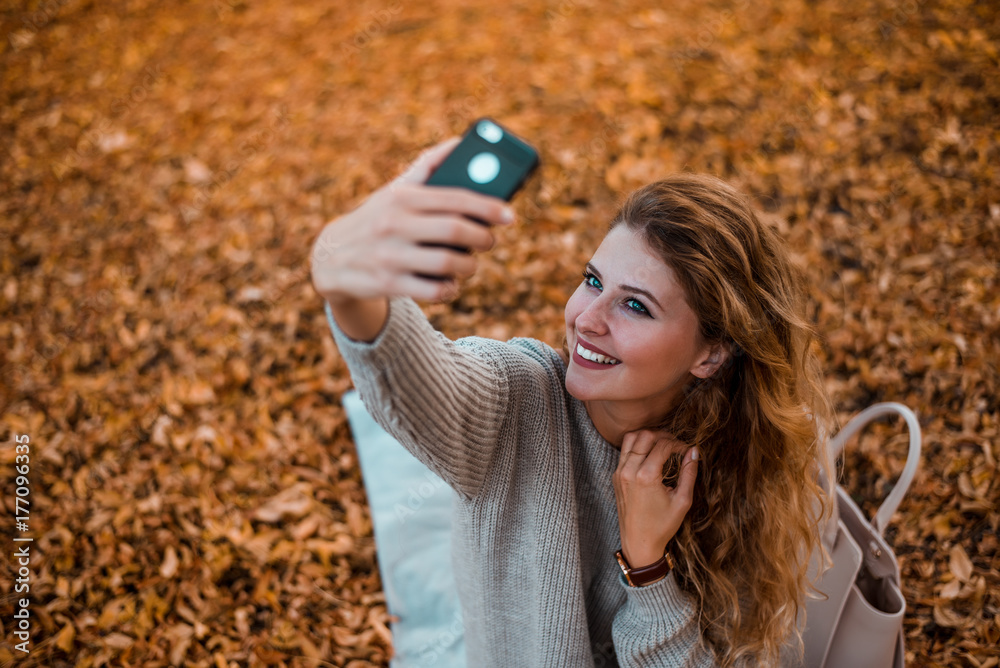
x=484, y=167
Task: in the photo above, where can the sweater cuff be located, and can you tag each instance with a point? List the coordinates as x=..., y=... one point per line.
x=649, y=603
x=403, y=314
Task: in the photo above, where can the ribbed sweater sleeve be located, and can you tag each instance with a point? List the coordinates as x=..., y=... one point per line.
x=658, y=628
x=451, y=424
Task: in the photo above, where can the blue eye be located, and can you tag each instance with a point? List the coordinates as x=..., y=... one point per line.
x=591, y=280
x=587, y=276
x=638, y=308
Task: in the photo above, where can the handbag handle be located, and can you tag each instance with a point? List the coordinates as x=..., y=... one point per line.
x=891, y=503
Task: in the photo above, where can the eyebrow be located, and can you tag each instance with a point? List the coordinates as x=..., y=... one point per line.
x=629, y=288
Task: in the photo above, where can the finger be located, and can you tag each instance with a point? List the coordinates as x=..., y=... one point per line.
x=644, y=442
x=664, y=445
x=658, y=455
x=449, y=230
x=427, y=162
x=438, y=262
x=689, y=473
x=630, y=462
x=628, y=444
x=443, y=199
x=649, y=471
x=424, y=289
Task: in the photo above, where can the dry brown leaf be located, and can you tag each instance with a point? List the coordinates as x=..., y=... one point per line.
x=959, y=563
x=342, y=545
x=946, y=616
x=118, y=641
x=951, y=590
x=168, y=568
x=65, y=638
x=294, y=501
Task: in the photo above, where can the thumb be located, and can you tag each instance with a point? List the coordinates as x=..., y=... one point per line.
x=427, y=162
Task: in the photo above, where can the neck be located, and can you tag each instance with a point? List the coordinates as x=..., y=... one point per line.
x=614, y=419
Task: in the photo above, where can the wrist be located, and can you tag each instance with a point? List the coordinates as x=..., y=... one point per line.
x=359, y=319
x=340, y=301
x=642, y=554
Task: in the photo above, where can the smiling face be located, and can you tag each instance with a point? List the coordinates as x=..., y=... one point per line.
x=633, y=338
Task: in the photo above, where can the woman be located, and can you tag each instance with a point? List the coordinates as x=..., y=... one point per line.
x=685, y=339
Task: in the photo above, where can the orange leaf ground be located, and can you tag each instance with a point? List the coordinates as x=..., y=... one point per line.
x=195, y=495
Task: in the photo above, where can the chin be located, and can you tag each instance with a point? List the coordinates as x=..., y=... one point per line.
x=579, y=389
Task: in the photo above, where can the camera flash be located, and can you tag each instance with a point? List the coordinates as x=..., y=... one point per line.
x=489, y=131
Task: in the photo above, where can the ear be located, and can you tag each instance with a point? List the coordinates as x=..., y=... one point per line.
x=712, y=359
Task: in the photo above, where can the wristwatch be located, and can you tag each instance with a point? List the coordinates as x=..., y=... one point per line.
x=640, y=577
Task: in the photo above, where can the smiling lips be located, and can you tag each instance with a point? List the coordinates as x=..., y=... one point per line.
x=594, y=356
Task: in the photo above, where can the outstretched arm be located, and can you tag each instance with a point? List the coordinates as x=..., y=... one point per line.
x=441, y=399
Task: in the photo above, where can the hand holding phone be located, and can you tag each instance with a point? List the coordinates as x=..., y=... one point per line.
x=490, y=160
x=391, y=244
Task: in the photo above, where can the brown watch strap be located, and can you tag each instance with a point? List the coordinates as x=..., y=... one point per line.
x=638, y=577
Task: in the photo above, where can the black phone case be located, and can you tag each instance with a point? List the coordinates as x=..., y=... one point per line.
x=515, y=160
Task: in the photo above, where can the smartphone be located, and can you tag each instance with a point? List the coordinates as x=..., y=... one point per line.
x=490, y=159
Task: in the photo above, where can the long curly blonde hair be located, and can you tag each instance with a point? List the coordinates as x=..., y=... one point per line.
x=759, y=422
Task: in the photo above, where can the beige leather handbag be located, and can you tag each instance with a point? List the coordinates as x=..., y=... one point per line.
x=860, y=624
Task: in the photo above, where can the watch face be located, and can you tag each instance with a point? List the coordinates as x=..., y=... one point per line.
x=625, y=567
x=622, y=562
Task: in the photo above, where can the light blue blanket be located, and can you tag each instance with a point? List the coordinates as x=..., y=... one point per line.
x=411, y=513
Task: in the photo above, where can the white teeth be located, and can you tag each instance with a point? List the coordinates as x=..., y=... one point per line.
x=594, y=357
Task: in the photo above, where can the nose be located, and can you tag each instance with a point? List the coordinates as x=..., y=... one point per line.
x=593, y=319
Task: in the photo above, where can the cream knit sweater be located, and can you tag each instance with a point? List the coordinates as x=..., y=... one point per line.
x=535, y=525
